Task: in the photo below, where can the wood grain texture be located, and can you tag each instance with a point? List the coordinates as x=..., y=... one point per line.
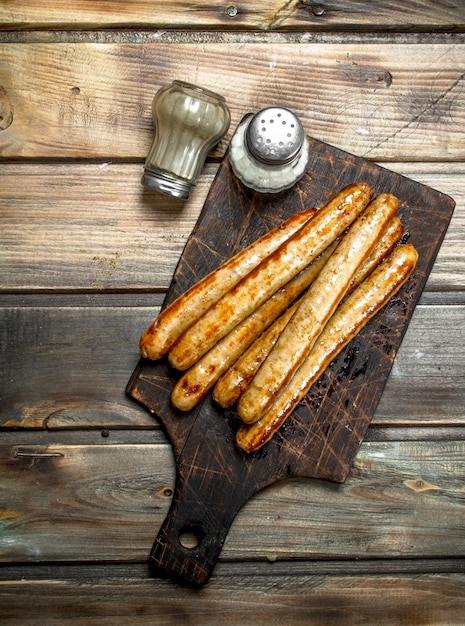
x=105, y=502
x=83, y=392
x=267, y=598
x=425, y=387
x=90, y=227
x=435, y=385
x=274, y=15
x=381, y=101
x=94, y=227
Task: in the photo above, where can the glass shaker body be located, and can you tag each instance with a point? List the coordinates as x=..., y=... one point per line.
x=189, y=121
x=269, y=151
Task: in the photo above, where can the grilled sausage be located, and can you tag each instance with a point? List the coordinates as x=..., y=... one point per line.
x=271, y=274
x=383, y=248
x=188, y=307
x=316, y=307
x=232, y=384
x=236, y=379
x=350, y=317
x=200, y=378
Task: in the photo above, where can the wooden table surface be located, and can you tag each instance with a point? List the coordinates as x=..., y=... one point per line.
x=86, y=256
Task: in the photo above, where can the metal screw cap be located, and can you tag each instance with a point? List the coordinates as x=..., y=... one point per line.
x=274, y=136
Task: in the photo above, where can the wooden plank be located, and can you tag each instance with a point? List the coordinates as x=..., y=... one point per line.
x=105, y=503
x=55, y=368
x=94, y=227
x=380, y=101
x=425, y=384
x=274, y=15
x=264, y=600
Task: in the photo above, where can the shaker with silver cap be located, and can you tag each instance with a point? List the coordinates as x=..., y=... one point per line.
x=269, y=151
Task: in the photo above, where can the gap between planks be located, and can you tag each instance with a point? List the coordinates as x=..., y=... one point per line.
x=157, y=35
x=284, y=568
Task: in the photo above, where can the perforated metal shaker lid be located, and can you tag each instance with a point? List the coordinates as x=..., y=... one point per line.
x=274, y=136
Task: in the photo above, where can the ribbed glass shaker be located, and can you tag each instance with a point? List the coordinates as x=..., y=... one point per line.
x=189, y=120
x=269, y=151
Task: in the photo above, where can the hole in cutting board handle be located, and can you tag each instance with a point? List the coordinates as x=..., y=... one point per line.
x=188, y=550
x=190, y=537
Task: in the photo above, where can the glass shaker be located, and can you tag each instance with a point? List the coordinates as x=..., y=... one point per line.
x=189, y=120
x=269, y=151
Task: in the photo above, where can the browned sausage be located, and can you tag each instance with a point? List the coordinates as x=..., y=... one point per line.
x=229, y=387
x=383, y=248
x=237, y=378
x=271, y=274
x=185, y=310
x=198, y=380
x=364, y=302
x=316, y=307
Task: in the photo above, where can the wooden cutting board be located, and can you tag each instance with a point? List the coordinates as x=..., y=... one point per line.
x=320, y=440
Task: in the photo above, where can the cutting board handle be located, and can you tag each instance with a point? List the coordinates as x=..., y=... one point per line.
x=192, y=535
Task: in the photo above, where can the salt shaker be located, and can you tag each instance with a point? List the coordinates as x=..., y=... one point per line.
x=189, y=120
x=269, y=151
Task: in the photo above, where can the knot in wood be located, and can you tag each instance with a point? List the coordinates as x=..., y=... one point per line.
x=6, y=113
x=316, y=9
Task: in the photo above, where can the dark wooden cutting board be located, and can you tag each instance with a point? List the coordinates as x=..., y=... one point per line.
x=320, y=440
